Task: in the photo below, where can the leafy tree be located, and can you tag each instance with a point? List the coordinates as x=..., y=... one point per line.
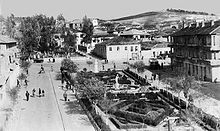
x=87, y=29
x=139, y=65
x=89, y=86
x=24, y=64
x=10, y=26
x=69, y=65
x=30, y=32
x=60, y=24
x=69, y=40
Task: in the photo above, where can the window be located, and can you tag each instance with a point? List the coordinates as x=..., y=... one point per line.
x=214, y=55
x=131, y=48
x=110, y=48
x=136, y=48
x=214, y=40
x=126, y=48
x=118, y=48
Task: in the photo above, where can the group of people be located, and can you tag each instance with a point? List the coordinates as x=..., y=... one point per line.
x=40, y=93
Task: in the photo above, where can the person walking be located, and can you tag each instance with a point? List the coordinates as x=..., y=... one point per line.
x=39, y=91
x=65, y=96
x=114, y=66
x=43, y=93
x=26, y=82
x=27, y=95
x=33, y=92
x=18, y=83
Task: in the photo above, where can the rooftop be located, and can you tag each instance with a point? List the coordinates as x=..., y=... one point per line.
x=120, y=41
x=6, y=39
x=199, y=30
x=134, y=32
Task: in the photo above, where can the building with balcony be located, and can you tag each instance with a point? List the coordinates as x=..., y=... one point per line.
x=196, y=50
x=118, y=49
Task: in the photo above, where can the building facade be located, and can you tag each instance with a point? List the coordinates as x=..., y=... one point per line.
x=113, y=51
x=196, y=50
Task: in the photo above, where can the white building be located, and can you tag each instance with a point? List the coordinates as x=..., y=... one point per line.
x=113, y=50
x=8, y=63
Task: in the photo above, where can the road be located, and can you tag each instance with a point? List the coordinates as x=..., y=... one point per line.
x=48, y=113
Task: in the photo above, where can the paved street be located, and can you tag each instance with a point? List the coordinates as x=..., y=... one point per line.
x=48, y=113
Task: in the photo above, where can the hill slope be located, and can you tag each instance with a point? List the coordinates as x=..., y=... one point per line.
x=171, y=16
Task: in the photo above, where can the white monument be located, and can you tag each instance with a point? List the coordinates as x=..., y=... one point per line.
x=116, y=82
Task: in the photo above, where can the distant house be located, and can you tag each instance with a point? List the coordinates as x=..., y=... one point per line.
x=156, y=51
x=8, y=53
x=100, y=36
x=135, y=34
x=118, y=49
x=8, y=60
x=76, y=24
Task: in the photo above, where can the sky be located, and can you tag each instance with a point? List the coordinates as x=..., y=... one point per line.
x=103, y=9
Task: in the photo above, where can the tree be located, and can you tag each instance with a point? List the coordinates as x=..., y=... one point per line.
x=60, y=24
x=139, y=65
x=69, y=66
x=10, y=26
x=69, y=40
x=30, y=36
x=24, y=64
x=87, y=29
x=89, y=86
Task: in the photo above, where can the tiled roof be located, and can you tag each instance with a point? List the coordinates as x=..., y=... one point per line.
x=134, y=32
x=6, y=39
x=120, y=41
x=101, y=33
x=198, y=30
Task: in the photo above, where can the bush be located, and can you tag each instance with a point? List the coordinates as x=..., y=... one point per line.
x=58, y=76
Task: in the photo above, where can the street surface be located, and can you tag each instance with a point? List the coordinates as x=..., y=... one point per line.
x=48, y=113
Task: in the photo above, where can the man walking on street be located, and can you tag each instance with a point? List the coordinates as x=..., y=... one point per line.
x=18, y=83
x=25, y=81
x=39, y=91
x=27, y=95
x=33, y=92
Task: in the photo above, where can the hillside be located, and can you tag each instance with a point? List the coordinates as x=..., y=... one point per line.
x=166, y=18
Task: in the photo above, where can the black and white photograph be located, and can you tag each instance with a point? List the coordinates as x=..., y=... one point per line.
x=109, y=65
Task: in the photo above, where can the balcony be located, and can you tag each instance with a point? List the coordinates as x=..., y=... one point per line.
x=215, y=48
x=214, y=62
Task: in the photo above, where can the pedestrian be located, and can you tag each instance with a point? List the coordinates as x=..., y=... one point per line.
x=43, y=93
x=26, y=82
x=18, y=83
x=103, y=67
x=39, y=91
x=27, y=95
x=114, y=66
x=33, y=92
x=27, y=71
x=65, y=96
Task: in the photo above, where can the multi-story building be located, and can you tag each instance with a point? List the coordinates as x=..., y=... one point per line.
x=196, y=50
x=113, y=50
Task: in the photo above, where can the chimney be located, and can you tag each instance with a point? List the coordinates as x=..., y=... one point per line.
x=198, y=24
x=212, y=22
x=203, y=23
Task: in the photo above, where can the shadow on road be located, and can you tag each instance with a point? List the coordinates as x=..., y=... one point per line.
x=73, y=107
